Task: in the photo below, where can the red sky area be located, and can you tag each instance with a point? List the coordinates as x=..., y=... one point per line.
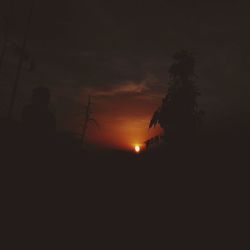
x=123, y=113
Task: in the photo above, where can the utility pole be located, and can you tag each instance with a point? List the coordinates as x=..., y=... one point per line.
x=21, y=59
x=87, y=120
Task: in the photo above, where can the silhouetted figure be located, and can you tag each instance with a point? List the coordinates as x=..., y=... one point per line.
x=39, y=122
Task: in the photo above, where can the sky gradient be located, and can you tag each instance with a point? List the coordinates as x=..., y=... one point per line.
x=119, y=53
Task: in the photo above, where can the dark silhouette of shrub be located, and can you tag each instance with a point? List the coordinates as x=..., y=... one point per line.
x=39, y=123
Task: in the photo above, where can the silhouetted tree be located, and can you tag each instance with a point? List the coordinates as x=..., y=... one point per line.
x=5, y=32
x=87, y=119
x=23, y=57
x=178, y=114
x=154, y=141
x=10, y=46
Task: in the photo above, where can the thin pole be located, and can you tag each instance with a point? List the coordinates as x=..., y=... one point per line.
x=86, y=121
x=26, y=33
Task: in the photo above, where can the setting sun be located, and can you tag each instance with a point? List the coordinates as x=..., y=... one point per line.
x=137, y=149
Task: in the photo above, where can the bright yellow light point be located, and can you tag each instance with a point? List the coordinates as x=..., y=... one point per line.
x=137, y=149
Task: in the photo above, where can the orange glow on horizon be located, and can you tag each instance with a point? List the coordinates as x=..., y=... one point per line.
x=123, y=134
x=123, y=122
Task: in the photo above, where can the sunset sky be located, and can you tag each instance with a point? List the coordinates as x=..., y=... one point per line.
x=119, y=53
x=124, y=113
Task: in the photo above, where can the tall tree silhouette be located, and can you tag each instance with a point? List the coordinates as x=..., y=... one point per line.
x=5, y=33
x=87, y=119
x=178, y=114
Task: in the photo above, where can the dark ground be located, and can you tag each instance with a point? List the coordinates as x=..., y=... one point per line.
x=62, y=194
